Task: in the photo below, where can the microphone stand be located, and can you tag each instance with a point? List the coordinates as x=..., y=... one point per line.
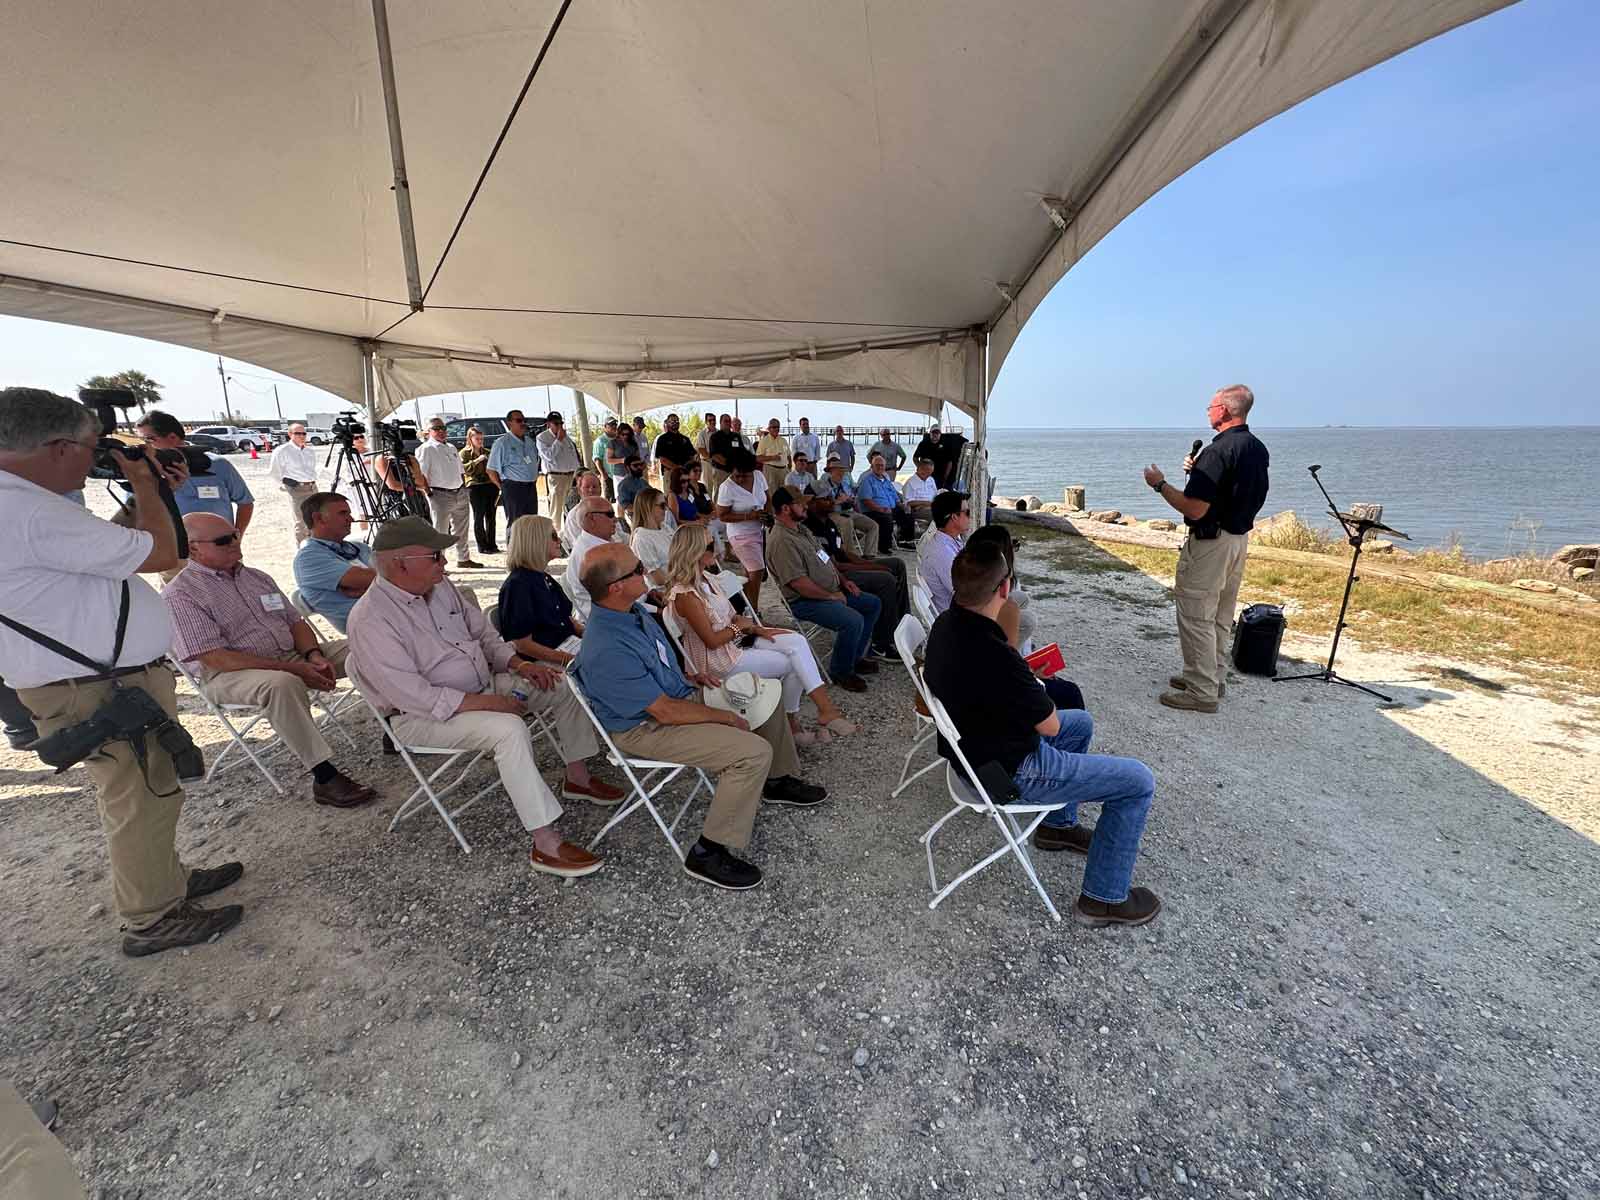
x=1355, y=531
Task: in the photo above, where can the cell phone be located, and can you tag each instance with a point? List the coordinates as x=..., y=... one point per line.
x=997, y=781
x=747, y=641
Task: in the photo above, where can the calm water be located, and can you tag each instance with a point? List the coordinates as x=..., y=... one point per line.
x=1474, y=483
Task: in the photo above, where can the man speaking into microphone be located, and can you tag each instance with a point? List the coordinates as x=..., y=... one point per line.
x=1227, y=487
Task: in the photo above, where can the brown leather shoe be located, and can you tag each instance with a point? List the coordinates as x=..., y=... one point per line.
x=1063, y=837
x=851, y=683
x=568, y=861
x=595, y=792
x=1139, y=908
x=866, y=667
x=342, y=792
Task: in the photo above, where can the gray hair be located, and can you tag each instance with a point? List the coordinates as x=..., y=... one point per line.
x=30, y=417
x=1236, y=399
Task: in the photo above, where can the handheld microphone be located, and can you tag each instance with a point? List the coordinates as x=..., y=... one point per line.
x=1314, y=468
x=1193, y=450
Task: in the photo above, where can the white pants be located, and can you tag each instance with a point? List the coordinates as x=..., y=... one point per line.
x=508, y=736
x=788, y=659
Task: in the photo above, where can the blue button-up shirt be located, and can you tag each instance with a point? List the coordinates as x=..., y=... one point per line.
x=215, y=493
x=515, y=458
x=879, y=490
x=933, y=564
x=319, y=565
x=625, y=666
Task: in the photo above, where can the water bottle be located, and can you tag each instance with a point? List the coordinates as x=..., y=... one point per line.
x=520, y=693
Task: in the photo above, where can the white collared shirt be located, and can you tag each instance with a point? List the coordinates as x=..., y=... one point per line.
x=294, y=462
x=61, y=573
x=557, y=456
x=918, y=488
x=584, y=543
x=441, y=464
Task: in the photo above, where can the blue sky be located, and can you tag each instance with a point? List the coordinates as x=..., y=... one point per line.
x=1417, y=246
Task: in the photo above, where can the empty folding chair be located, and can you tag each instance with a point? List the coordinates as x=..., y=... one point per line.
x=908, y=638
x=968, y=794
x=647, y=777
x=922, y=603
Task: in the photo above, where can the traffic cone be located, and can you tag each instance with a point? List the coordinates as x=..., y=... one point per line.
x=253, y=453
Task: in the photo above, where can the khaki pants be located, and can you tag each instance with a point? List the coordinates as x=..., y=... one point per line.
x=775, y=476
x=741, y=762
x=140, y=818
x=296, y=494
x=1207, y=588
x=859, y=533
x=508, y=736
x=714, y=477
x=33, y=1165
x=557, y=485
x=452, y=515
x=286, y=700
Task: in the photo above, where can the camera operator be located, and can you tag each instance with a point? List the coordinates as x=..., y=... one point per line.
x=69, y=577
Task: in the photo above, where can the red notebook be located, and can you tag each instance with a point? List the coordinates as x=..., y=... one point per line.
x=1046, y=660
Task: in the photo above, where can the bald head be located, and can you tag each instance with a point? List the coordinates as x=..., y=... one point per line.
x=606, y=574
x=204, y=530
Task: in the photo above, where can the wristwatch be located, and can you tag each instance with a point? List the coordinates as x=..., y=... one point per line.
x=1156, y=487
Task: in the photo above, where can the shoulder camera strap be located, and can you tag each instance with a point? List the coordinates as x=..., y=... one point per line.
x=55, y=647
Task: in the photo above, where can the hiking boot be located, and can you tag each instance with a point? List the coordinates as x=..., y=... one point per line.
x=1139, y=908
x=1179, y=683
x=786, y=789
x=342, y=792
x=1188, y=701
x=205, y=880
x=716, y=866
x=186, y=925
x=1062, y=837
x=851, y=683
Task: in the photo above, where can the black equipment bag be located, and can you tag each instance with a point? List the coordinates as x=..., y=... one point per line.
x=1257, y=634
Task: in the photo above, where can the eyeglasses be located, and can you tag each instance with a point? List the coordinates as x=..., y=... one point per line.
x=516, y=421
x=226, y=539
x=436, y=555
x=297, y=433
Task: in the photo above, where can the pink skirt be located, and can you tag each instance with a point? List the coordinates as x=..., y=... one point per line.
x=751, y=553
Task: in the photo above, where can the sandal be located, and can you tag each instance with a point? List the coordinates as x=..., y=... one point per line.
x=804, y=737
x=840, y=727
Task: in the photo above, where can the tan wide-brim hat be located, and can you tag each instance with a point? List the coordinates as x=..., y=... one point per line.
x=748, y=694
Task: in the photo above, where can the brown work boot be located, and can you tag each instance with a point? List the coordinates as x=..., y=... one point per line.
x=1188, y=702
x=1063, y=837
x=1181, y=684
x=185, y=925
x=341, y=792
x=1139, y=908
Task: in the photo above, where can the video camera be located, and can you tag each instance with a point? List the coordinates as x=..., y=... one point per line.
x=113, y=449
x=397, y=436
x=131, y=712
x=346, y=429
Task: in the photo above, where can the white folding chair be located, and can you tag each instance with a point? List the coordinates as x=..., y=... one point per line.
x=908, y=638
x=809, y=630
x=968, y=794
x=922, y=603
x=426, y=794
x=236, y=733
x=647, y=777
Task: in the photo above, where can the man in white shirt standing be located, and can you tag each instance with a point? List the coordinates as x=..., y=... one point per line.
x=447, y=489
x=560, y=462
x=805, y=442
x=68, y=576
x=294, y=466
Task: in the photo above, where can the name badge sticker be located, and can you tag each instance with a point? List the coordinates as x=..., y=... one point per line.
x=272, y=603
x=661, y=653
x=208, y=491
x=823, y=555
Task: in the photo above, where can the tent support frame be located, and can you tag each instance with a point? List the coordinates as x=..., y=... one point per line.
x=397, y=152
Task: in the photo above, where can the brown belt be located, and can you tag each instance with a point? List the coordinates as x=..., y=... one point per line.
x=107, y=676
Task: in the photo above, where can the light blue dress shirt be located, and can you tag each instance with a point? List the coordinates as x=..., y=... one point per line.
x=625, y=665
x=515, y=458
x=319, y=565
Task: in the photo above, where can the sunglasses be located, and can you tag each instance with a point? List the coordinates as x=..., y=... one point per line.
x=298, y=433
x=226, y=539
x=638, y=569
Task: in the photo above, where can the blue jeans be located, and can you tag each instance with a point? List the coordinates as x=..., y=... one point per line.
x=1062, y=771
x=851, y=623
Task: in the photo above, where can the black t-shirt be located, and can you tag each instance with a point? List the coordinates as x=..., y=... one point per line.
x=675, y=448
x=986, y=687
x=827, y=533
x=928, y=449
x=724, y=442
x=1230, y=475
x=533, y=605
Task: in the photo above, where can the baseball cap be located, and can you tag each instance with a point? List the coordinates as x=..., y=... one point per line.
x=835, y=461
x=410, y=531
x=554, y=418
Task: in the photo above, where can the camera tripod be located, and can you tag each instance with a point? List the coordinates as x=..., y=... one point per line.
x=1355, y=531
x=376, y=502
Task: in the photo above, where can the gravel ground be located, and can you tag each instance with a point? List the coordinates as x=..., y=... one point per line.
x=1376, y=973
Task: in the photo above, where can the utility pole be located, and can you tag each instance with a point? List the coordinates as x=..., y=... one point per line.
x=227, y=409
x=580, y=410
x=277, y=403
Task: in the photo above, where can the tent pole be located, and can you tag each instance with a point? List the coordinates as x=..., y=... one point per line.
x=581, y=413
x=397, y=152
x=369, y=392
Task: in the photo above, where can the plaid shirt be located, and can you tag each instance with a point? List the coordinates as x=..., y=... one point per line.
x=215, y=610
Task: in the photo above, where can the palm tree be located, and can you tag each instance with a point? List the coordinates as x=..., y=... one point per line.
x=145, y=390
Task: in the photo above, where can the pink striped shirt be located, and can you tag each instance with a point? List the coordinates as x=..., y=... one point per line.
x=217, y=610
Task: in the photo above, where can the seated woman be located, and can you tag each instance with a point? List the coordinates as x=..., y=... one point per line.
x=681, y=498
x=718, y=642
x=651, y=540
x=1015, y=619
x=742, y=507
x=535, y=614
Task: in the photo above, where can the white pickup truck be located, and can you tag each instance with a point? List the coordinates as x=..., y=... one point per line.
x=234, y=436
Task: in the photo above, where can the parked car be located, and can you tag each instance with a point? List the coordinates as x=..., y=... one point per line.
x=238, y=438
x=211, y=445
x=455, y=430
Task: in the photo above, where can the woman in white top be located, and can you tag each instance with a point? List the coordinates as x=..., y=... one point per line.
x=651, y=540
x=714, y=638
x=742, y=508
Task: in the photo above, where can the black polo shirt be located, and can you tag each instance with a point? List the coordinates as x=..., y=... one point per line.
x=724, y=442
x=1230, y=475
x=986, y=687
x=533, y=605
x=674, y=448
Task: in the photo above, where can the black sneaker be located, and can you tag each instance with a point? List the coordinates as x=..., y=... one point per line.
x=1139, y=908
x=1062, y=837
x=186, y=925
x=886, y=652
x=205, y=880
x=714, y=865
x=23, y=737
x=388, y=745
x=786, y=789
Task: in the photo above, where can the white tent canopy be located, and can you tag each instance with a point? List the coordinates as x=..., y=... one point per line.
x=640, y=200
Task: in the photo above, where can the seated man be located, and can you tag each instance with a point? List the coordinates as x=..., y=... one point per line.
x=952, y=517
x=630, y=484
x=919, y=492
x=1005, y=717
x=882, y=575
x=440, y=667
x=589, y=487
x=652, y=710
x=859, y=531
x=802, y=477
x=816, y=592
x=596, y=525
x=331, y=573
x=250, y=646
x=882, y=502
